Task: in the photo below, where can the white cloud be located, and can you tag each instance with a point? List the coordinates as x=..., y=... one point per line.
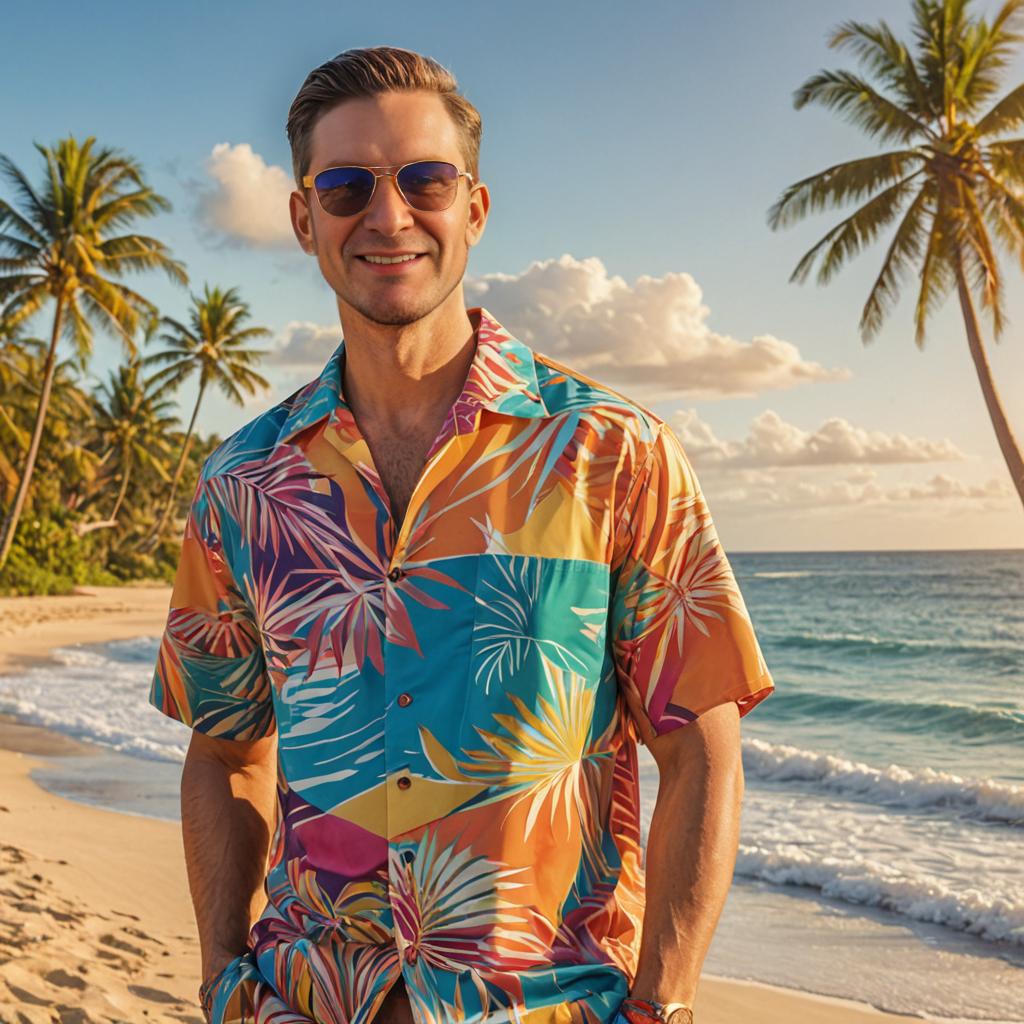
x=779, y=467
x=943, y=488
x=771, y=441
x=758, y=491
x=304, y=346
x=649, y=339
x=247, y=203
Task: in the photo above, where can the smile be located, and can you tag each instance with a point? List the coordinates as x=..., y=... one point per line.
x=392, y=259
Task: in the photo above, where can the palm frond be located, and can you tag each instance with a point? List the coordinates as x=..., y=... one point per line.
x=889, y=59
x=1005, y=212
x=122, y=209
x=905, y=246
x=28, y=195
x=987, y=51
x=1006, y=160
x=862, y=106
x=981, y=261
x=1005, y=116
x=10, y=217
x=859, y=229
x=850, y=180
x=78, y=328
x=936, y=274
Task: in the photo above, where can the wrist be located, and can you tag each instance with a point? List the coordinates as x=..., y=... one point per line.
x=652, y=1011
x=211, y=978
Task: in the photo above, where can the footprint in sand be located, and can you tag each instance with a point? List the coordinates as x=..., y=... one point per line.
x=65, y=980
x=154, y=995
x=125, y=947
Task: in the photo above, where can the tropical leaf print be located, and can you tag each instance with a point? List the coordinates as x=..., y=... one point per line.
x=457, y=698
x=502, y=637
x=450, y=910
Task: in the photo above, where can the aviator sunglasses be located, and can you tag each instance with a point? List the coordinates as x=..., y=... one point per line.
x=429, y=185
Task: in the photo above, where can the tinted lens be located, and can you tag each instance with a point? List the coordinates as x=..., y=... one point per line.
x=429, y=185
x=343, y=191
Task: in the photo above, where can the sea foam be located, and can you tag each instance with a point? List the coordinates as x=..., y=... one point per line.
x=860, y=880
x=893, y=786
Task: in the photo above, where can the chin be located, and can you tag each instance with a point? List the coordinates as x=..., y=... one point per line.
x=397, y=312
x=390, y=314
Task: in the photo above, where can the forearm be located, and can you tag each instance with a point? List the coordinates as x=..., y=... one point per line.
x=226, y=820
x=691, y=854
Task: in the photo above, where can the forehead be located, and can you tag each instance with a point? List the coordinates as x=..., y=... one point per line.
x=392, y=128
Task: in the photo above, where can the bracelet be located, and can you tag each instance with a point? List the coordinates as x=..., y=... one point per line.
x=205, y=1000
x=648, y=1011
x=206, y=994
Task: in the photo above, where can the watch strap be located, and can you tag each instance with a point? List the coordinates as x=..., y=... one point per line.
x=650, y=1011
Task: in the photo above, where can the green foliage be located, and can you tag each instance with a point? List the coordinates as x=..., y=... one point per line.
x=96, y=478
x=101, y=479
x=49, y=557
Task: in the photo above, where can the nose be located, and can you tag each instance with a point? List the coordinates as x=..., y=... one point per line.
x=388, y=213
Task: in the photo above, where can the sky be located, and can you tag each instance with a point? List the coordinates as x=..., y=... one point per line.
x=675, y=292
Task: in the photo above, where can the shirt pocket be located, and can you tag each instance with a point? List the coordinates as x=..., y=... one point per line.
x=537, y=654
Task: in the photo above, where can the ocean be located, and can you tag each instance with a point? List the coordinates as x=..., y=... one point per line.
x=881, y=855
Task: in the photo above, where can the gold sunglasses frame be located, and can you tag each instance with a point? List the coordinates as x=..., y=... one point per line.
x=387, y=171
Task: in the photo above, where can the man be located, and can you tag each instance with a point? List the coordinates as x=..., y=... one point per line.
x=439, y=592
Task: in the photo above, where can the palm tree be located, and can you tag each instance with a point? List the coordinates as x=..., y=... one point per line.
x=68, y=463
x=134, y=421
x=962, y=185
x=215, y=346
x=11, y=356
x=61, y=243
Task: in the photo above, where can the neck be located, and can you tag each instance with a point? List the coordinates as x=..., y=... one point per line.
x=399, y=377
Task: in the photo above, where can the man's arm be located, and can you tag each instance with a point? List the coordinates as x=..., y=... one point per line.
x=228, y=793
x=691, y=850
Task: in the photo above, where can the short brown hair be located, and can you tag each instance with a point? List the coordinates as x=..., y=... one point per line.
x=369, y=72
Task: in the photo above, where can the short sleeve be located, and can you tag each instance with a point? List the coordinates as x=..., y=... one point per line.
x=210, y=669
x=682, y=639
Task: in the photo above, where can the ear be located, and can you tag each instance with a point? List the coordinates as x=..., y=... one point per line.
x=302, y=221
x=479, y=206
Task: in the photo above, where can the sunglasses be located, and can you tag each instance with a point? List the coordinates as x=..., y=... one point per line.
x=428, y=185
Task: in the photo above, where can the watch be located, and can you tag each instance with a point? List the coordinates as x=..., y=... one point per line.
x=677, y=1013
x=648, y=1011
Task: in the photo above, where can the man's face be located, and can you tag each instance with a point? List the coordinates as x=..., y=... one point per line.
x=389, y=130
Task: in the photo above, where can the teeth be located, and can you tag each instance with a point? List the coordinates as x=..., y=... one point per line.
x=391, y=259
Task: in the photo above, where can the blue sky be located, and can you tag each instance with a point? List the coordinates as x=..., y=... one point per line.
x=689, y=103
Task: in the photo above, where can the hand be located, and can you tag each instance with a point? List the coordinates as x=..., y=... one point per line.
x=211, y=980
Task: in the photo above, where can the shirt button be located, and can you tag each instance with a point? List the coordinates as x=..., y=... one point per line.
x=404, y=782
x=396, y=574
x=404, y=700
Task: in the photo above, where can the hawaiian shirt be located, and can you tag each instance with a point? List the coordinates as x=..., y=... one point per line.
x=455, y=697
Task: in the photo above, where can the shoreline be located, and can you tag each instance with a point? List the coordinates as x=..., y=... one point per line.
x=137, y=952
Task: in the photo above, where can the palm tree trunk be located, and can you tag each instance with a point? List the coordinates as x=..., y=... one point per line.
x=1004, y=432
x=11, y=523
x=162, y=522
x=125, y=477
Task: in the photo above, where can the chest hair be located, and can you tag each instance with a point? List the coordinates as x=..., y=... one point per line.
x=399, y=462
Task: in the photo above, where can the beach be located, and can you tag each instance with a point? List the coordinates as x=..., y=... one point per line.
x=96, y=922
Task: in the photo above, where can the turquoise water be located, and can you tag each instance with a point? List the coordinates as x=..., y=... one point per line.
x=881, y=844
x=913, y=657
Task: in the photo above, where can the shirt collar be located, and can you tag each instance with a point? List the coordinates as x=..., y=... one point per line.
x=502, y=379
